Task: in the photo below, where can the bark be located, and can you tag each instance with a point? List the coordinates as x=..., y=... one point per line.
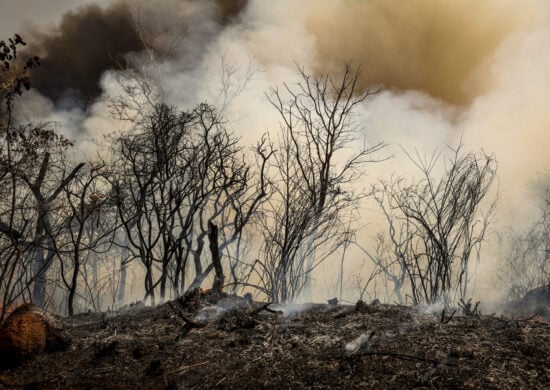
x=123, y=271
x=213, y=237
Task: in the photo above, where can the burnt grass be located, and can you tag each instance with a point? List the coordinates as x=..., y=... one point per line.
x=228, y=342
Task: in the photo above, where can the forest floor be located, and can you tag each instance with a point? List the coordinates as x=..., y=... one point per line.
x=228, y=342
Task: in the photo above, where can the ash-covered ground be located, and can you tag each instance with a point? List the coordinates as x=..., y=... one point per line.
x=229, y=342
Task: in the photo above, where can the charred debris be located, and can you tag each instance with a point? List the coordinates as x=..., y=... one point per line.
x=210, y=339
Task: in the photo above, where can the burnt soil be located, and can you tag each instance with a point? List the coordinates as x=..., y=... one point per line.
x=208, y=342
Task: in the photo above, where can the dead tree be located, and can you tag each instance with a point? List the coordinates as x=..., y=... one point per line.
x=233, y=207
x=178, y=172
x=89, y=227
x=387, y=265
x=437, y=225
x=525, y=257
x=314, y=171
x=14, y=222
x=46, y=202
x=151, y=185
x=216, y=261
x=35, y=163
x=36, y=190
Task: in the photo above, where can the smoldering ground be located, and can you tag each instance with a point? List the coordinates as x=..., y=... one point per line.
x=446, y=70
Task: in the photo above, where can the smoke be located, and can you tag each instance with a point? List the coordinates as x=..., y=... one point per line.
x=440, y=47
x=92, y=40
x=447, y=70
x=100, y=36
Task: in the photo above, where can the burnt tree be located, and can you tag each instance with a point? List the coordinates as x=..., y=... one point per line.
x=314, y=170
x=436, y=225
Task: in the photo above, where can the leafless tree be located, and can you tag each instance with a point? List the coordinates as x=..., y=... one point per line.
x=362, y=281
x=46, y=183
x=437, y=225
x=387, y=265
x=147, y=185
x=180, y=173
x=36, y=170
x=525, y=257
x=210, y=182
x=89, y=227
x=14, y=80
x=314, y=170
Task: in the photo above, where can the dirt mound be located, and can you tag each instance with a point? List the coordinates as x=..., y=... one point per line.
x=28, y=332
x=230, y=342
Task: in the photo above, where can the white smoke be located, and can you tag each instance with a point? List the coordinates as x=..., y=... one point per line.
x=468, y=70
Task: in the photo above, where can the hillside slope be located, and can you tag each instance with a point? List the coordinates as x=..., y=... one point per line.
x=230, y=343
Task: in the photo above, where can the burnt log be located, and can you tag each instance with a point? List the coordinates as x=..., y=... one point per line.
x=28, y=332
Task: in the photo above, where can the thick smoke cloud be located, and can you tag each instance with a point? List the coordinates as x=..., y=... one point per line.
x=446, y=68
x=227, y=10
x=92, y=40
x=88, y=42
x=440, y=47
x=476, y=70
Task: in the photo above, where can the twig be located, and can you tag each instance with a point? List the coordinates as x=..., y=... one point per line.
x=446, y=321
x=466, y=307
x=527, y=319
x=344, y=313
x=189, y=323
x=409, y=357
x=178, y=370
x=220, y=381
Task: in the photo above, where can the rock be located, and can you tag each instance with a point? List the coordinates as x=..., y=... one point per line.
x=28, y=332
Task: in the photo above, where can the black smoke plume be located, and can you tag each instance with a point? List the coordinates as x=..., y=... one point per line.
x=87, y=42
x=92, y=40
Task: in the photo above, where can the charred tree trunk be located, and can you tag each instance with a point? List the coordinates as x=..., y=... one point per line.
x=123, y=271
x=39, y=263
x=199, y=274
x=213, y=237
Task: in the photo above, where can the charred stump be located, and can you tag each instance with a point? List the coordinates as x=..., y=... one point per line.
x=216, y=261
